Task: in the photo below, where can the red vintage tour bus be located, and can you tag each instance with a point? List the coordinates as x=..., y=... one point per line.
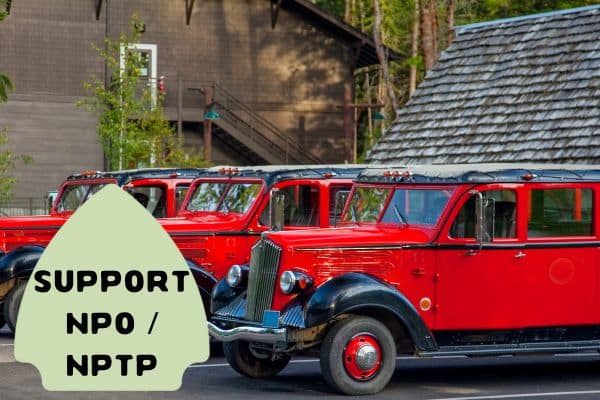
x=462, y=260
x=222, y=216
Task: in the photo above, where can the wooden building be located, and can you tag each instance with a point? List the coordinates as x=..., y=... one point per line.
x=277, y=70
x=523, y=89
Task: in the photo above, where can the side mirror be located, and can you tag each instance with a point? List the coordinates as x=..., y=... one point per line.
x=276, y=210
x=340, y=201
x=484, y=218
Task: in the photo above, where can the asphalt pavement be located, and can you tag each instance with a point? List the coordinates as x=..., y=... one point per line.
x=535, y=377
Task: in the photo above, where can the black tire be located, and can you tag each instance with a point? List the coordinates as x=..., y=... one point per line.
x=12, y=304
x=244, y=362
x=2, y=321
x=333, y=354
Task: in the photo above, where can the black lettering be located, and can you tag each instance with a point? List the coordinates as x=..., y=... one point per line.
x=108, y=279
x=124, y=358
x=124, y=323
x=157, y=279
x=72, y=321
x=44, y=285
x=86, y=278
x=100, y=321
x=145, y=362
x=74, y=365
x=132, y=276
x=61, y=286
x=180, y=275
x=100, y=362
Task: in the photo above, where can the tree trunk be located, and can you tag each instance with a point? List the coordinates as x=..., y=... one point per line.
x=435, y=29
x=450, y=8
x=348, y=12
x=429, y=32
x=381, y=54
x=367, y=84
x=415, y=51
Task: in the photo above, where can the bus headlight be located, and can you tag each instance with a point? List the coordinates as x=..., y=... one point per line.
x=235, y=276
x=291, y=281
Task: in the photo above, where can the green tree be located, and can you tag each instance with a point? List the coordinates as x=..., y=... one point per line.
x=420, y=29
x=131, y=123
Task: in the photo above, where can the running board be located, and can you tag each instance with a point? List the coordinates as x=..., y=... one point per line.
x=522, y=348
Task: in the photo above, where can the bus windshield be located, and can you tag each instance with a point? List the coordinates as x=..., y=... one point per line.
x=74, y=195
x=418, y=206
x=234, y=197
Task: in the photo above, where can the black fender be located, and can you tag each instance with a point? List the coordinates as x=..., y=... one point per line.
x=205, y=281
x=19, y=262
x=353, y=291
x=223, y=294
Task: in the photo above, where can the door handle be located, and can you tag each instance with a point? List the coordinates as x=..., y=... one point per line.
x=471, y=252
x=520, y=254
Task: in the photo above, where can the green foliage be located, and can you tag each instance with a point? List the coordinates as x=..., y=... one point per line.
x=5, y=86
x=487, y=10
x=132, y=127
x=397, y=20
x=8, y=163
x=335, y=7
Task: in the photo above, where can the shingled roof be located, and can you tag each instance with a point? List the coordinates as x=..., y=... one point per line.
x=521, y=89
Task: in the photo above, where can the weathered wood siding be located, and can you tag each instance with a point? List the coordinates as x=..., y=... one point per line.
x=60, y=137
x=292, y=75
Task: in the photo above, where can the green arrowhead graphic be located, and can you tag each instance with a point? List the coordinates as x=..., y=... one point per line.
x=112, y=232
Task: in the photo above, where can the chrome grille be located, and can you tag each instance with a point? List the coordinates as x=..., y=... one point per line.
x=264, y=263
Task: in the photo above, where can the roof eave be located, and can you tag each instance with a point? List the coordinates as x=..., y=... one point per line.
x=367, y=52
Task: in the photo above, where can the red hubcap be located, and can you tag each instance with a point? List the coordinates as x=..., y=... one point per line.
x=362, y=357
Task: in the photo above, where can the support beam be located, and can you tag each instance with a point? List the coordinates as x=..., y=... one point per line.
x=208, y=102
x=349, y=110
x=189, y=7
x=349, y=125
x=179, y=108
x=275, y=6
x=98, y=8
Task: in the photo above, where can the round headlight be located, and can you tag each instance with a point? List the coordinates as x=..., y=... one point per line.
x=287, y=282
x=234, y=276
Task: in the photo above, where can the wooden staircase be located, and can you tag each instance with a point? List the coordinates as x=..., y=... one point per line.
x=253, y=137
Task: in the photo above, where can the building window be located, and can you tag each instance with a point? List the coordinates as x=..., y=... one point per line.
x=148, y=60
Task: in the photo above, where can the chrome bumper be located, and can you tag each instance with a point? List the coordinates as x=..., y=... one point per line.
x=249, y=333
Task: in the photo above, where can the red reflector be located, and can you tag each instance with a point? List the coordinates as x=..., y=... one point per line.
x=302, y=283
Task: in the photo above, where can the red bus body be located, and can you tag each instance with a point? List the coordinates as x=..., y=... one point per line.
x=210, y=241
x=38, y=230
x=522, y=279
x=214, y=241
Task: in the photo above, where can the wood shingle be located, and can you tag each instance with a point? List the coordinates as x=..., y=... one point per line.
x=521, y=89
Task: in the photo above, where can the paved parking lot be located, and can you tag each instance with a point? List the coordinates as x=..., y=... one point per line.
x=466, y=379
